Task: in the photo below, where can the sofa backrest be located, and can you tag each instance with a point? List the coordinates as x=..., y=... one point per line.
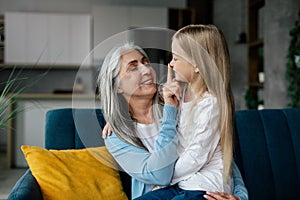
x=74, y=128
x=268, y=152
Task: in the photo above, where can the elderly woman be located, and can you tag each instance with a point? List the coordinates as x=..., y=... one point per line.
x=144, y=138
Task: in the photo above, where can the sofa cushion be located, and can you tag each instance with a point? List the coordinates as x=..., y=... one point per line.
x=75, y=174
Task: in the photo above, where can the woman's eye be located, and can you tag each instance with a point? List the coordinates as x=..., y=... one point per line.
x=175, y=59
x=145, y=62
x=132, y=68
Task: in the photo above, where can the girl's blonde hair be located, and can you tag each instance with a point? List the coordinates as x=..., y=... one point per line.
x=206, y=48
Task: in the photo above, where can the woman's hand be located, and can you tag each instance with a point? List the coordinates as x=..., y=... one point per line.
x=171, y=90
x=220, y=196
x=106, y=131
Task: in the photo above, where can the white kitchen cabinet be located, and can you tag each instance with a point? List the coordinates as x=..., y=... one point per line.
x=80, y=43
x=36, y=38
x=46, y=38
x=15, y=41
x=59, y=44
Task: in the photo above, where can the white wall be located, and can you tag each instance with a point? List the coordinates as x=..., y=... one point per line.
x=112, y=20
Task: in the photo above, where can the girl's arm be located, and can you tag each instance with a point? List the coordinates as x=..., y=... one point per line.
x=150, y=168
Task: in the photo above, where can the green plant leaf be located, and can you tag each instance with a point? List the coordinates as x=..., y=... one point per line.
x=292, y=72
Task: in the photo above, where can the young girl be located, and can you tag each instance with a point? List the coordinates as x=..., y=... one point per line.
x=205, y=128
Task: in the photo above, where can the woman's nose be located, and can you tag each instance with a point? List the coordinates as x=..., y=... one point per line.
x=144, y=69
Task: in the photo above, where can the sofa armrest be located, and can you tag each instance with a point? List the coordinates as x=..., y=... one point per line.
x=26, y=188
x=126, y=183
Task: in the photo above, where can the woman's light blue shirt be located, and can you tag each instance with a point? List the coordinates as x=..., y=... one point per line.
x=145, y=168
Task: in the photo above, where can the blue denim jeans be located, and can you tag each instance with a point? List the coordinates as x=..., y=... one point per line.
x=173, y=193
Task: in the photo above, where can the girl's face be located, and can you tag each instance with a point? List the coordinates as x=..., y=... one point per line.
x=184, y=70
x=136, y=78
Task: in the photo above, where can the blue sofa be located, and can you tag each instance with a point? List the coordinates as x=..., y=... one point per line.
x=267, y=149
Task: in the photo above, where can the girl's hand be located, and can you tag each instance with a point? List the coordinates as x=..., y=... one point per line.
x=171, y=90
x=220, y=196
x=106, y=131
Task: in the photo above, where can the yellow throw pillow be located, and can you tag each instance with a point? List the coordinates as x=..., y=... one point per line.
x=75, y=174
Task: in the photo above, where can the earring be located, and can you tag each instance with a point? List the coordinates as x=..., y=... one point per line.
x=196, y=70
x=119, y=91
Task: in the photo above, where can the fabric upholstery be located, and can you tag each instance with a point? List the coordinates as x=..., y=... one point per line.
x=267, y=148
x=73, y=128
x=26, y=188
x=267, y=152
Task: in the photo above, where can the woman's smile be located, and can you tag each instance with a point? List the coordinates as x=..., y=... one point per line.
x=147, y=82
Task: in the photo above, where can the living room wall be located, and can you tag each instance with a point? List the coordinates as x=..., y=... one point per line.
x=60, y=78
x=277, y=19
x=280, y=17
x=230, y=17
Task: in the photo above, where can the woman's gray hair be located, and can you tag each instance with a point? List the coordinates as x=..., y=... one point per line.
x=115, y=107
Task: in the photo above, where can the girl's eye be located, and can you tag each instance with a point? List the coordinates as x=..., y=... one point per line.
x=175, y=59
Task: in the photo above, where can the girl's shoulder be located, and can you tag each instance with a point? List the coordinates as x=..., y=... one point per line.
x=208, y=95
x=207, y=98
x=206, y=101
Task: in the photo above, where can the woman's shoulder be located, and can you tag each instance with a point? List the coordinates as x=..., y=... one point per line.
x=112, y=139
x=114, y=143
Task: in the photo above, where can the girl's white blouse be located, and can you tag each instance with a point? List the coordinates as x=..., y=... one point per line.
x=200, y=163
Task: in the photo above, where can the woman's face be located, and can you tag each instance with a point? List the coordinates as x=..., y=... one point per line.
x=184, y=70
x=136, y=78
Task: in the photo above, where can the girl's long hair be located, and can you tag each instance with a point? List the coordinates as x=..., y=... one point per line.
x=206, y=48
x=114, y=105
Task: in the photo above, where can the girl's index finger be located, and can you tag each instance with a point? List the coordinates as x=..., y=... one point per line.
x=170, y=71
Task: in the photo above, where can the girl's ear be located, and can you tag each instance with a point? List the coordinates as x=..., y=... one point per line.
x=196, y=68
